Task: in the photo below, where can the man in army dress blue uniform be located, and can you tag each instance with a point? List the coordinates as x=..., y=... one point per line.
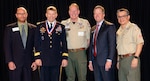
x=50, y=46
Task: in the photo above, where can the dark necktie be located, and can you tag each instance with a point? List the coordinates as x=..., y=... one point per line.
x=50, y=27
x=23, y=36
x=95, y=38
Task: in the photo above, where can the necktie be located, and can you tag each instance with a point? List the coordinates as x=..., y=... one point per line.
x=23, y=36
x=50, y=27
x=95, y=38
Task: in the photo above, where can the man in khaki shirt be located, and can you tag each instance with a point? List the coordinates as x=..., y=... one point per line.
x=78, y=36
x=129, y=47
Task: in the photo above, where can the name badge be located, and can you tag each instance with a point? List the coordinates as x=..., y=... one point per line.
x=15, y=29
x=80, y=33
x=67, y=27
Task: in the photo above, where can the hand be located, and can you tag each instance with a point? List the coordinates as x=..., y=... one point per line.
x=90, y=66
x=108, y=65
x=11, y=65
x=64, y=63
x=134, y=63
x=38, y=62
x=34, y=66
x=117, y=65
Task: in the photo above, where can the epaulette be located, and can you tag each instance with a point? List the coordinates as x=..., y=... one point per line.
x=40, y=22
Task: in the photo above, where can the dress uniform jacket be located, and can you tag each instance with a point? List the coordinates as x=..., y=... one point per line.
x=13, y=45
x=50, y=48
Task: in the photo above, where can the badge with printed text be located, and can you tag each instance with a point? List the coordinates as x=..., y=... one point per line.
x=15, y=29
x=80, y=33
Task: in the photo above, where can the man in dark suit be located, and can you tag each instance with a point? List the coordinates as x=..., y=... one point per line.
x=51, y=46
x=102, y=47
x=18, y=47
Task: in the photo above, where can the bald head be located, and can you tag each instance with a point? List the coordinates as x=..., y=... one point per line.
x=21, y=8
x=74, y=12
x=74, y=5
x=21, y=14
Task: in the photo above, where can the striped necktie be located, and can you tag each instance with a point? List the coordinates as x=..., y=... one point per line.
x=95, y=38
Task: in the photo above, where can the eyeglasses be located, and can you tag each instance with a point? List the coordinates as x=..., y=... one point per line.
x=21, y=13
x=122, y=16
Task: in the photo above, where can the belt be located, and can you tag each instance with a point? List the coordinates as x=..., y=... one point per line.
x=126, y=55
x=76, y=50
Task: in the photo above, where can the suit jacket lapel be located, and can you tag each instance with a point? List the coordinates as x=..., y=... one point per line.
x=18, y=32
x=29, y=36
x=101, y=29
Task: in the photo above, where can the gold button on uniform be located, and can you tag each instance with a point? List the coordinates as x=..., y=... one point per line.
x=50, y=46
x=50, y=37
x=50, y=41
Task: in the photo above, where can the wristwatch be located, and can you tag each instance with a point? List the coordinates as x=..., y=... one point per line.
x=136, y=57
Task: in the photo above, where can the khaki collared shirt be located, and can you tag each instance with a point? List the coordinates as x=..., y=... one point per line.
x=78, y=33
x=25, y=26
x=128, y=38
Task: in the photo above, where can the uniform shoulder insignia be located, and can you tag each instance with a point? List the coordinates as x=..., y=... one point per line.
x=40, y=22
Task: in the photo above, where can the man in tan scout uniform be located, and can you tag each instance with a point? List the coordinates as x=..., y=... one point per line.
x=78, y=36
x=129, y=47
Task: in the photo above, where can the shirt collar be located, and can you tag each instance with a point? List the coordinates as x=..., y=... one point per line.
x=127, y=26
x=78, y=20
x=122, y=29
x=100, y=23
x=53, y=23
x=19, y=24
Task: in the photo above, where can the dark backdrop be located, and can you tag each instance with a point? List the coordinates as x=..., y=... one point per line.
x=139, y=11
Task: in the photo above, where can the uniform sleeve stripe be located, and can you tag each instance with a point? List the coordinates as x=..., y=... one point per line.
x=37, y=53
x=65, y=54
